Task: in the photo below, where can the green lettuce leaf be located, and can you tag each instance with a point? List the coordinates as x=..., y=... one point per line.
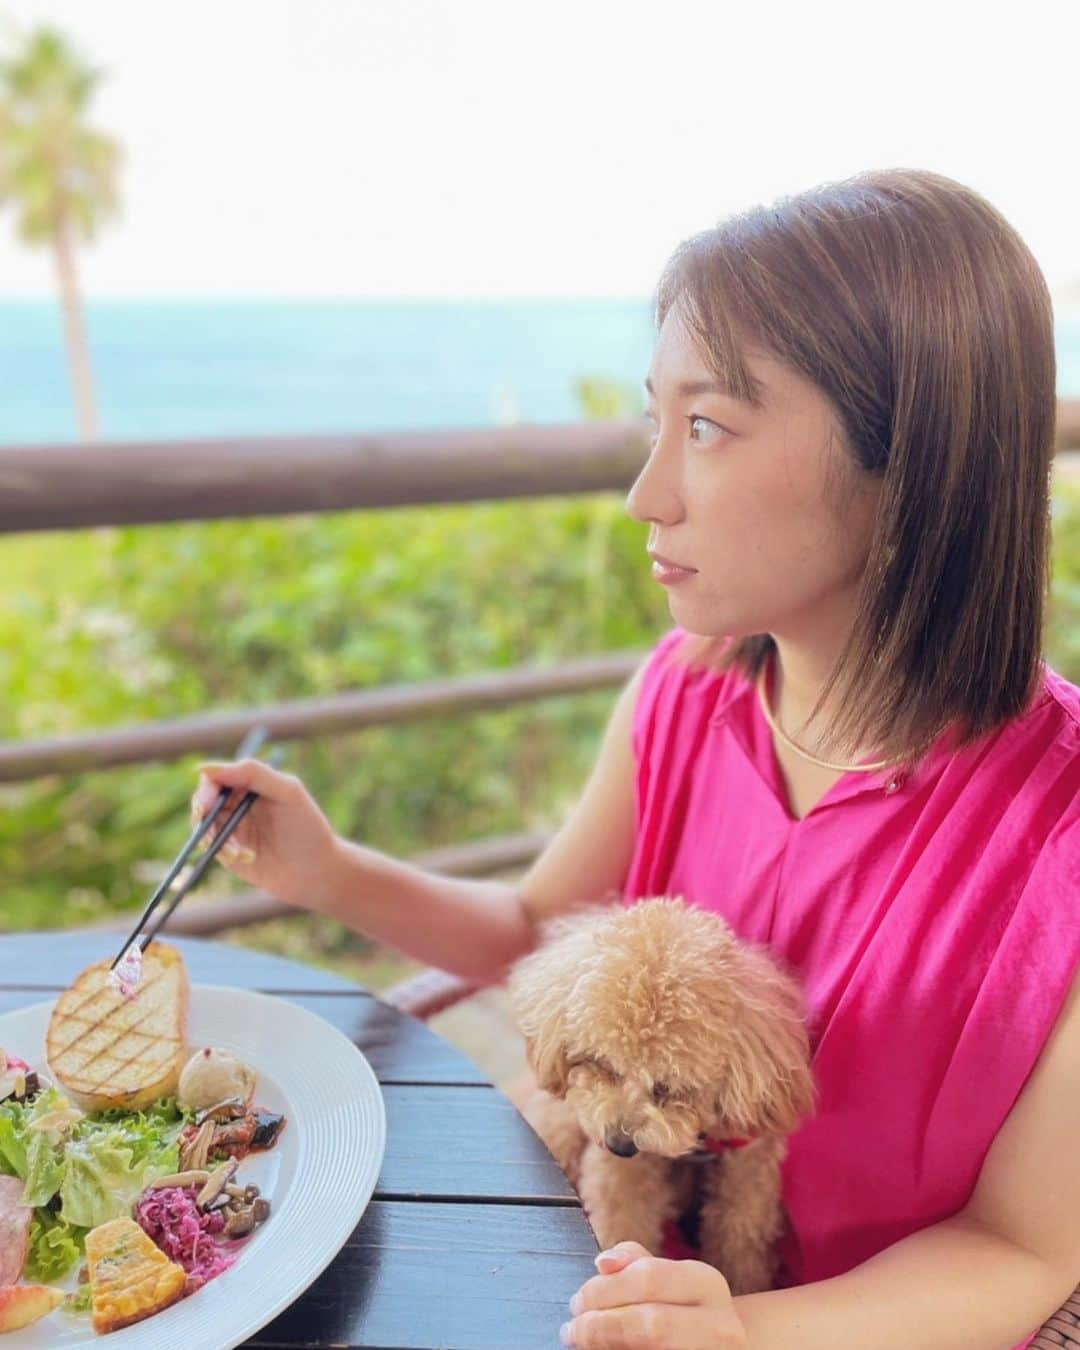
x=106, y=1172
x=56, y=1247
x=98, y=1169
x=28, y=1153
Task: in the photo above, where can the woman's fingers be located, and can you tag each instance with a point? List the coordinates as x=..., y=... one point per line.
x=639, y=1300
x=615, y=1258
x=239, y=847
x=239, y=777
x=648, y=1279
x=654, y=1326
x=246, y=775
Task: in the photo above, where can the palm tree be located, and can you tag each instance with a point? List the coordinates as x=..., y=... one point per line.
x=59, y=176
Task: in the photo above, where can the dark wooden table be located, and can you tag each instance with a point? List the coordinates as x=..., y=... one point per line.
x=473, y=1238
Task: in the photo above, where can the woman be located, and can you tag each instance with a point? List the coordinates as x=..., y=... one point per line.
x=849, y=746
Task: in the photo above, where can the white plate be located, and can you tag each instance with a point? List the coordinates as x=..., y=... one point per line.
x=318, y=1177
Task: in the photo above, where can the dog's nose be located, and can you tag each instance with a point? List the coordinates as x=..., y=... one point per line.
x=620, y=1143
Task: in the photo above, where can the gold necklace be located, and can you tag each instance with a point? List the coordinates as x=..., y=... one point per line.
x=778, y=729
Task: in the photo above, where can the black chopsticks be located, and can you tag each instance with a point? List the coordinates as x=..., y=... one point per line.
x=250, y=745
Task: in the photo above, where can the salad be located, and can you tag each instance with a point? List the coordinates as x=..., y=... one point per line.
x=112, y=1193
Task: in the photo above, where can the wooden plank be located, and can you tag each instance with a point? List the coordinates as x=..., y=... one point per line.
x=459, y=1277
x=48, y=487
x=51, y=960
x=12, y=999
x=464, y=1142
x=399, y=1048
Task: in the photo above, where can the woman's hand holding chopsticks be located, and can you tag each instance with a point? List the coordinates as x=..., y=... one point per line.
x=285, y=845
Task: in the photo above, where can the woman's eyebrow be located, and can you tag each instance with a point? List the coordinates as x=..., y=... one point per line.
x=690, y=388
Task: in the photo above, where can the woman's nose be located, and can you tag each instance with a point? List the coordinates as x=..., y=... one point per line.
x=654, y=497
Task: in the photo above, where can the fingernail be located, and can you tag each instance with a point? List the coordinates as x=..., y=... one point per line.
x=575, y=1304
x=610, y=1255
x=566, y=1333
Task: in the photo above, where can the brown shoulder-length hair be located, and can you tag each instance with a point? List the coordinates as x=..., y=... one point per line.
x=921, y=315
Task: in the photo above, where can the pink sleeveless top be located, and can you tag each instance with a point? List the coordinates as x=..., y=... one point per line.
x=933, y=922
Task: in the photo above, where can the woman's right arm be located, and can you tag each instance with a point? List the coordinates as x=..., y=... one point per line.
x=472, y=928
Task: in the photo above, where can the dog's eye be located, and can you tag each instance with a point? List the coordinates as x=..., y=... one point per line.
x=660, y=1092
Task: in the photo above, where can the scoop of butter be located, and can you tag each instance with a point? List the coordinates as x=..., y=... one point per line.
x=211, y=1076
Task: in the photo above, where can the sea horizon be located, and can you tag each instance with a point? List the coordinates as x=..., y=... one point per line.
x=192, y=367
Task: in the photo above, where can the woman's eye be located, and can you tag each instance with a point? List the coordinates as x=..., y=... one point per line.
x=710, y=427
x=701, y=428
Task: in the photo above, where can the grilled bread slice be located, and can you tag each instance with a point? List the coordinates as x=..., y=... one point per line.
x=130, y=1277
x=110, y=1051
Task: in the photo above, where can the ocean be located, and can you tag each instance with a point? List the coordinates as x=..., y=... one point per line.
x=167, y=369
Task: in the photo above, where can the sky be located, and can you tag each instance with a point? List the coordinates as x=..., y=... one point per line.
x=355, y=148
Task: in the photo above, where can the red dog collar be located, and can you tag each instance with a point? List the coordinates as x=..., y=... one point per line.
x=711, y=1145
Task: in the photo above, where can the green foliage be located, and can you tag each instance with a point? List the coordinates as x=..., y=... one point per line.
x=1063, y=613
x=119, y=626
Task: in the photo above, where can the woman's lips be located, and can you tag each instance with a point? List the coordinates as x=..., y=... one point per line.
x=667, y=572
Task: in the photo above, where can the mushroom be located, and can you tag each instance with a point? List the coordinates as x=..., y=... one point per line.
x=216, y=1183
x=262, y=1210
x=240, y=1222
x=196, y=1152
x=194, y=1178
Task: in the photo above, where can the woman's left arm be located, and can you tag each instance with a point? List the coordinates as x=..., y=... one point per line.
x=980, y=1280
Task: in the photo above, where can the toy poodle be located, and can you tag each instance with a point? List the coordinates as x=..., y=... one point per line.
x=672, y=1061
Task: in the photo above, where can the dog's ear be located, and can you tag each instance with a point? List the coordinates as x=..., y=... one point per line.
x=765, y=1080
x=771, y=1088
x=789, y=1096
x=548, y=1060
x=542, y=988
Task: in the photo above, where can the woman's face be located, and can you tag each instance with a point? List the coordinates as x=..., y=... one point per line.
x=740, y=496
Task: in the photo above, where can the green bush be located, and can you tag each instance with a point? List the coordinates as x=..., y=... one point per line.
x=119, y=626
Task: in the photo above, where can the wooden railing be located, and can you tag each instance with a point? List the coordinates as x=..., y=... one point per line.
x=66, y=487
x=50, y=487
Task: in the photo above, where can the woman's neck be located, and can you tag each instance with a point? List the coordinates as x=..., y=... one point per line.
x=800, y=670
